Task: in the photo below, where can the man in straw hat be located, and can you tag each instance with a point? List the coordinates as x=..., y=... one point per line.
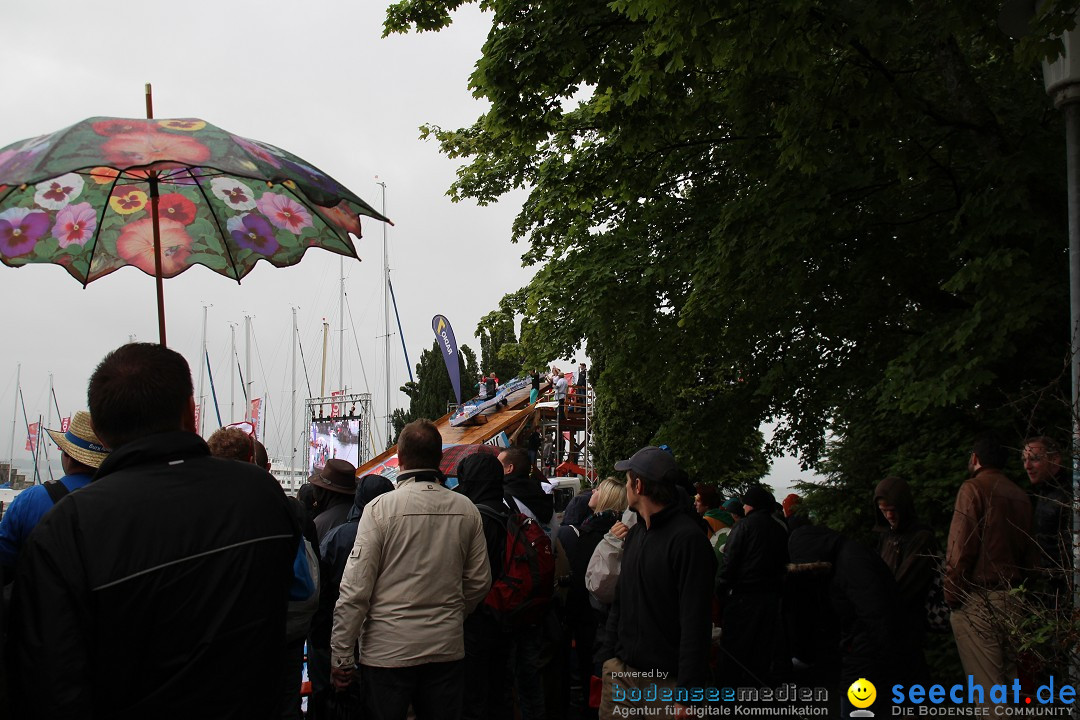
x=81, y=453
x=159, y=590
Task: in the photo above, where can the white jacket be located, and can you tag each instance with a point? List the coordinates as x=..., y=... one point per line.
x=418, y=567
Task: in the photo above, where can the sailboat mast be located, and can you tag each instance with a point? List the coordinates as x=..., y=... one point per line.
x=325, y=339
x=202, y=370
x=292, y=414
x=232, y=382
x=386, y=316
x=14, y=419
x=247, y=367
x=341, y=325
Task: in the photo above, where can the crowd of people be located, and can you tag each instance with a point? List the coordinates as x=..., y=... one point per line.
x=164, y=576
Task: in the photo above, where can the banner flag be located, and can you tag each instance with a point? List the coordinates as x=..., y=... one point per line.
x=256, y=409
x=31, y=437
x=198, y=416
x=445, y=334
x=336, y=410
x=65, y=423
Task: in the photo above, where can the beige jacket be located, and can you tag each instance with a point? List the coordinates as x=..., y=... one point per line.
x=418, y=567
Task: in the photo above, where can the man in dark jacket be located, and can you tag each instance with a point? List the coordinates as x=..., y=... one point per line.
x=488, y=680
x=751, y=589
x=158, y=590
x=863, y=599
x=660, y=620
x=522, y=490
x=1050, y=519
x=523, y=493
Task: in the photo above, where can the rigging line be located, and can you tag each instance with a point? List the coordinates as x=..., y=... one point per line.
x=213, y=390
x=401, y=335
x=356, y=341
x=303, y=361
x=240, y=372
x=26, y=421
x=57, y=406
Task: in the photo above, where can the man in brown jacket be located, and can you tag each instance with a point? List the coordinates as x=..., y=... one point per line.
x=989, y=552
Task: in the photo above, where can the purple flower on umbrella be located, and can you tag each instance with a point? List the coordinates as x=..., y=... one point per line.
x=284, y=212
x=253, y=232
x=20, y=229
x=75, y=224
x=259, y=150
x=58, y=192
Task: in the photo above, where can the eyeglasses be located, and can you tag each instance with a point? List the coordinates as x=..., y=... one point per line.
x=246, y=426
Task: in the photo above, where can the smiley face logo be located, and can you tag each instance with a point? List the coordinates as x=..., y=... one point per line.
x=862, y=693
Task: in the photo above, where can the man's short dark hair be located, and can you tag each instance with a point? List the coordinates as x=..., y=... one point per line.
x=137, y=390
x=1051, y=446
x=988, y=448
x=419, y=445
x=262, y=459
x=662, y=492
x=519, y=459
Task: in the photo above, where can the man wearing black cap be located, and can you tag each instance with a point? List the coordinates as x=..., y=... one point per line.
x=660, y=619
x=755, y=560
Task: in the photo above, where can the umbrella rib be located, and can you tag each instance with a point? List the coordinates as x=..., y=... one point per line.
x=311, y=206
x=97, y=231
x=221, y=230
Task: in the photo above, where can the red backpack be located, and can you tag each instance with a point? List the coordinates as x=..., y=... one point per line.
x=521, y=595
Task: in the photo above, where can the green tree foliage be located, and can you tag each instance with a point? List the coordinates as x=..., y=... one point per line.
x=431, y=391
x=499, y=349
x=847, y=218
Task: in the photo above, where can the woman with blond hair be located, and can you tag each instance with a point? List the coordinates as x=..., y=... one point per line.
x=574, y=547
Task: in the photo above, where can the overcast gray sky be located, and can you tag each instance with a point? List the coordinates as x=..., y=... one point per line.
x=314, y=78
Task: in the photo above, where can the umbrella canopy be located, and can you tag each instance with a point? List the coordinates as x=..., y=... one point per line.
x=106, y=192
x=451, y=456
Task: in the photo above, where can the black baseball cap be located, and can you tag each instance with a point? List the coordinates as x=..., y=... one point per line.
x=651, y=463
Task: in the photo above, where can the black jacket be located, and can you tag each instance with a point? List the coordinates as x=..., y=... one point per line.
x=756, y=554
x=528, y=490
x=661, y=616
x=158, y=590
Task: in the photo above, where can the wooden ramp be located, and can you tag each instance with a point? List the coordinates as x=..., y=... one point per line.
x=480, y=429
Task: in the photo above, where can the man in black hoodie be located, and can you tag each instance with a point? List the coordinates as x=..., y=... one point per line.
x=487, y=644
x=524, y=494
x=755, y=559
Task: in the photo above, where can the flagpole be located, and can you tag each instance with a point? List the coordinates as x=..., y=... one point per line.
x=292, y=407
x=202, y=371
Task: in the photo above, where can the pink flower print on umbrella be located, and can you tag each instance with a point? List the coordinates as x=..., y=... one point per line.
x=253, y=232
x=175, y=206
x=75, y=224
x=58, y=192
x=117, y=126
x=136, y=246
x=235, y=194
x=139, y=149
x=20, y=229
x=284, y=212
x=343, y=217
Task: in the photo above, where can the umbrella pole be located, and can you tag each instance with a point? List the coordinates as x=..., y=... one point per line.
x=157, y=231
x=157, y=258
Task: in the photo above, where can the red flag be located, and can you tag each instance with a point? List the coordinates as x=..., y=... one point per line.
x=334, y=409
x=256, y=409
x=198, y=412
x=65, y=423
x=31, y=438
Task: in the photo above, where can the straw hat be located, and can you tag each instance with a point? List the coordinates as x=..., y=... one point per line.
x=80, y=441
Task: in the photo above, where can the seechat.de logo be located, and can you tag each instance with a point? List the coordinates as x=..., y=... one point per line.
x=862, y=694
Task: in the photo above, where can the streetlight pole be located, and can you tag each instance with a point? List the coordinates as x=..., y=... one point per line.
x=1062, y=80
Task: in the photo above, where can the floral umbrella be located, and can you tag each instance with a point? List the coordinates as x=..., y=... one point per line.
x=105, y=192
